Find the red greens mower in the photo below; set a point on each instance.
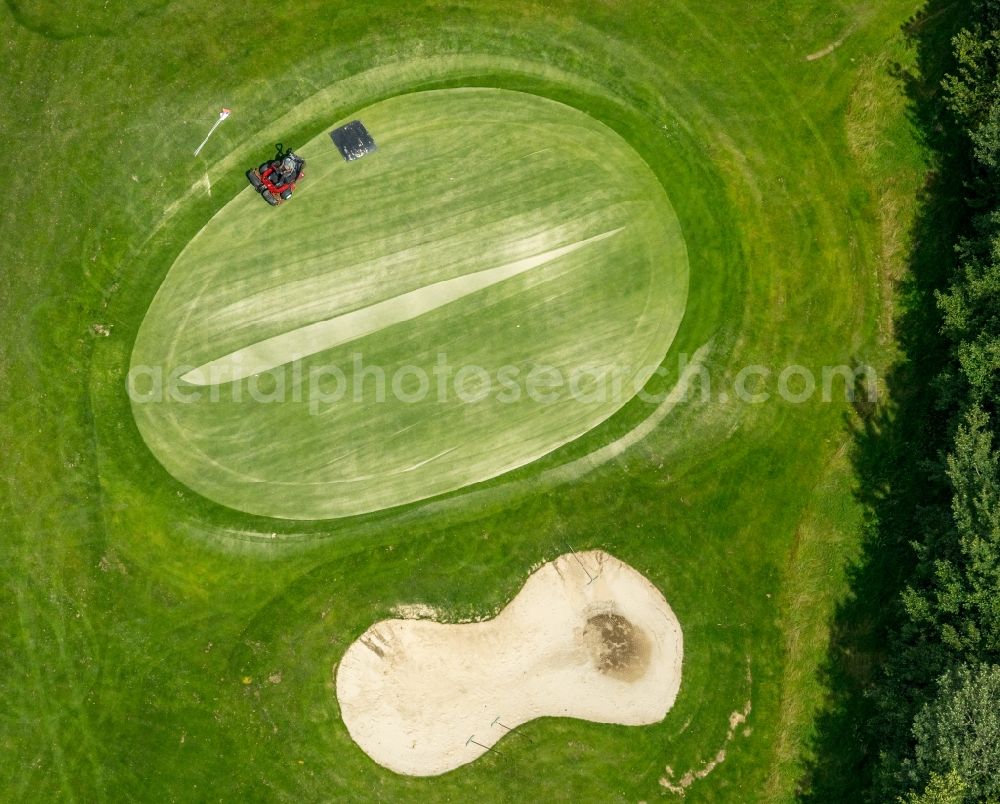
(275, 180)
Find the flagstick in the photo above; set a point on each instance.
(222, 116)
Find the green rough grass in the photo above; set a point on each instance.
(136, 607)
(827, 554)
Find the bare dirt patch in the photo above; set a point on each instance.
(832, 47)
(737, 718)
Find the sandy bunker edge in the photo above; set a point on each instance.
(586, 637)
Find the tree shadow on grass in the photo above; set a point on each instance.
(896, 444)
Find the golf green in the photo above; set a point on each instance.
(502, 275)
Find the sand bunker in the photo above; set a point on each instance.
(587, 637)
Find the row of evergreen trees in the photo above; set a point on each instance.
(938, 724)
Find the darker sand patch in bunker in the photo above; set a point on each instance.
(617, 647)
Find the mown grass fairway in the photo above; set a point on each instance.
(477, 245)
(163, 639)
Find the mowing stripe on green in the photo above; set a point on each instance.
(312, 338)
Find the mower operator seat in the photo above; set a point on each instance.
(286, 170)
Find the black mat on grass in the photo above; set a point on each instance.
(353, 140)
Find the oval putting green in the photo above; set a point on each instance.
(496, 280)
